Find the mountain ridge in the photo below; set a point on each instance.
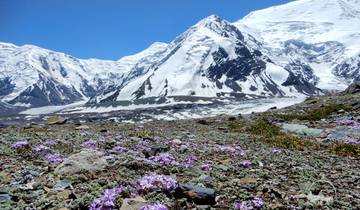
(214, 58)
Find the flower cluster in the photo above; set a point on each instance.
(206, 167)
(119, 149)
(352, 141)
(233, 149)
(20, 144)
(40, 148)
(54, 158)
(189, 161)
(255, 203)
(108, 200)
(246, 163)
(156, 182)
(154, 207)
(351, 123)
(164, 159)
(52, 142)
(109, 157)
(276, 151)
(90, 144)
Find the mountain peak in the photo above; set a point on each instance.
(211, 21)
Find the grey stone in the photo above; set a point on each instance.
(84, 161)
(302, 130)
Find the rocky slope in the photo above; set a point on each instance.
(257, 161)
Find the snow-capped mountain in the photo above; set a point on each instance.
(211, 59)
(31, 76)
(324, 34)
(300, 48)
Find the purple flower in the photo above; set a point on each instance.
(189, 161)
(20, 144)
(90, 144)
(276, 151)
(206, 167)
(352, 141)
(351, 123)
(242, 206)
(54, 158)
(233, 149)
(154, 207)
(119, 149)
(246, 163)
(155, 182)
(40, 148)
(258, 202)
(164, 159)
(109, 157)
(52, 142)
(107, 201)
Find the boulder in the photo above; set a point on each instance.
(198, 195)
(82, 127)
(56, 120)
(154, 150)
(84, 161)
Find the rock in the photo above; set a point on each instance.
(2, 126)
(353, 88)
(133, 203)
(222, 167)
(103, 131)
(56, 120)
(198, 195)
(302, 130)
(183, 148)
(177, 141)
(247, 180)
(82, 127)
(207, 180)
(355, 105)
(232, 118)
(154, 150)
(84, 161)
(203, 122)
(5, 196)
(273, 108)
(62, 185)
(64, 195)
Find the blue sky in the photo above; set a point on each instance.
(110, 29)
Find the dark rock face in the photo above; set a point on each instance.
(349, 69)
(236, 69)
(6, 87)
(300, 76)
(353, 88)
(142, 90)
(47, 92)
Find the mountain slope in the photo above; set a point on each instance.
(321, 33)
(211, 59)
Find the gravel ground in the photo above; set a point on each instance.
(184, 164)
